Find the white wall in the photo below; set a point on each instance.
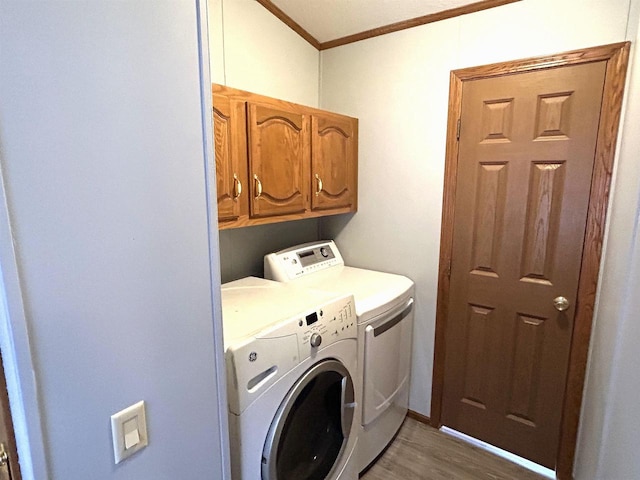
(262, 55)
(103, 162)
(397, 85)
(609, 432)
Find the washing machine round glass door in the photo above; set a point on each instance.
(309, 434)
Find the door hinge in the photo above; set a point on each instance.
(448, 271)
(458, 130)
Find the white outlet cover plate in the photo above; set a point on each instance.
(135, 433)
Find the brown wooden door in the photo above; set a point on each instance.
(333, 161)
(526, 156)
(278, 161)
(9, 467)
(229, 134)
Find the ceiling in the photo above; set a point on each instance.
(326, 23)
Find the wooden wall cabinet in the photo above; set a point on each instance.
(279, 161)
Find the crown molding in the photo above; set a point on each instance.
(292, 24)
(383, 30)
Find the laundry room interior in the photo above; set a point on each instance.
(150, 330)
(397, 86)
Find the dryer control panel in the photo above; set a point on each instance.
(256, 362)
(301, 260)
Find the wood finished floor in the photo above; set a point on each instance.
(420, 452)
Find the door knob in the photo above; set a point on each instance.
(4, 457)
(561, 303)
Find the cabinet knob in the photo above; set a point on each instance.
(319, 180)
(237, 187)
(258, 185)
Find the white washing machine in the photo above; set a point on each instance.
(384, 308)
(291, 356)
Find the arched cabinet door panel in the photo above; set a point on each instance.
(278, 161)
(333, 161)
(230, 145)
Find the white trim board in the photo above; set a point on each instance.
(17, 356)
(214, 243)
(523, 462)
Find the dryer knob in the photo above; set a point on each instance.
(315, 340)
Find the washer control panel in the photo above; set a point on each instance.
(332, 322)
(301, 260)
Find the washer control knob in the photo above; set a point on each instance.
(324, 252)
(315, 340)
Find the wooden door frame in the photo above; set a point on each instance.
(616, 57)
(5, 414)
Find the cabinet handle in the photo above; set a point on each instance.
(319, 185)
(258, 185)
(237, 187)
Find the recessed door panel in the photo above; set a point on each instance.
(476, 356)
(497, 121)
(553, 116)
(525, 375)
(489, 217)
(542, 220)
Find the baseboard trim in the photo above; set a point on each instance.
(419, 417)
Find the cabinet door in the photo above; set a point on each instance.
(229, 135)
(278, 161)
(334, 161)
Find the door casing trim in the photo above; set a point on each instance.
(616, 57)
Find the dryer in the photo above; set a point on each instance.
(384, 309)
(291, 356)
